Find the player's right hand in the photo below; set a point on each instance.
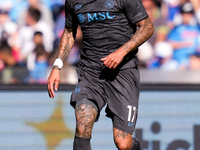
(53, 82)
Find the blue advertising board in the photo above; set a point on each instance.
(168, 120)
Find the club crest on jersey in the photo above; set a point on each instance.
(109, 4)
(78, 89)
(77, 6)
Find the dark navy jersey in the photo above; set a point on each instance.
(106, 25)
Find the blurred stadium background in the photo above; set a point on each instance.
(169, 114)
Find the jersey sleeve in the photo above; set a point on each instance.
(134, 10)
(68, 15)
(70, 19)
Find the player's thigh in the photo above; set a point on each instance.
(85, 117)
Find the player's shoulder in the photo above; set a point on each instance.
(125, 3)
(69, 2)
(73, 3)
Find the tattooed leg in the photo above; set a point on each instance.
(85, 118)
(123, 140)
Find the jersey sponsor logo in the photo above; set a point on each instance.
(81, 18)
(90, 17)
(109, 4)
(78, 89)
(175, 144)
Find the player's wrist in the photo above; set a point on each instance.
(56, 67)
(58, 64)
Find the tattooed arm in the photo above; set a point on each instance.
(66, 43)
(143, 33)
(65, 46)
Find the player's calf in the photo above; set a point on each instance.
(81, 144)
(135, 145)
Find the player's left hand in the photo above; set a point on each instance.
(114, 59)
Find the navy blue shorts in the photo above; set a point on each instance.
(119, 89)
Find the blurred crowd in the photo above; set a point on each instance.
(29, 38)
(30, 31)
(175, 44)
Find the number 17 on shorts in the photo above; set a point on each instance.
(132, 115)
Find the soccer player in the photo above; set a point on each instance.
(108, 69)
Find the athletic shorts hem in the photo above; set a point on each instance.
(123, 129)
(73, 104)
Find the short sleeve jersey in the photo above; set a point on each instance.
(106, 25)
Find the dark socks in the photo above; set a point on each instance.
(136, 145)
(81, 143)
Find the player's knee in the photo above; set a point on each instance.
(83, 132)
(123, 144)
(79, 131)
